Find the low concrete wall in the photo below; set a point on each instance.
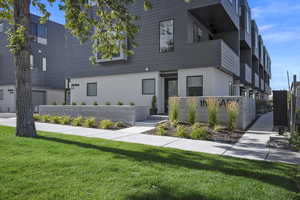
(247, 111)
(127, 114)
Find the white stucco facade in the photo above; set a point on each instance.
(128, 87)
(47, 97)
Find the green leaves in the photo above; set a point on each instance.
(16, 39)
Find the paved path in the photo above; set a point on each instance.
(253, 145)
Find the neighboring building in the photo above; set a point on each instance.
(47, 61)
(202, 48)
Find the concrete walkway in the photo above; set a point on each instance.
(253, 145)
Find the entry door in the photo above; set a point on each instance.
(171, 90)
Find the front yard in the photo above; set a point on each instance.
(56, 166)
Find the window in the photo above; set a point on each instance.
(148, 86)
(1, 27)
(231, 1)
(298, 91)
(248, 21)
(194, 86)
(44, 64)
(166, 36)
(256, 41)
(92, 89)
(39, 33)
(31, 58)
(237, 8)
(1, 95)
(197, 33)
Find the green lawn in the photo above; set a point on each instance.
(56, 166)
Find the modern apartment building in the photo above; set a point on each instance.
(202, 48)
(47, 61)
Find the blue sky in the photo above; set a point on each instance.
(279, 22)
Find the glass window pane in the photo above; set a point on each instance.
(166, 36)
(195, 81)
(148, 87)
(92, 89)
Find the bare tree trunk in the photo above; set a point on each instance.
(24, 108)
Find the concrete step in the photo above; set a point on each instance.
(158, 117)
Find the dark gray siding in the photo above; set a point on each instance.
(54, 52)
(186, 54)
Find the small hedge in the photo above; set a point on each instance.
(90, 122)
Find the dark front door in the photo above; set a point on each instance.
(171, 90)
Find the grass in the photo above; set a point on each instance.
(55, 166)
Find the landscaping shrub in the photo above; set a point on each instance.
(153, 109)
(55, 119)
(107, 103)
(83, 103)
(46, 118)
(213, 109)
(132, 103)
(37, 117)
(78, 121)
(74, 103)
(119, 125)
(90, 122)
(295, 141)
(197, 125)
(232, 111)
(106, 124)
(173, 109)
(160, 130)
(120, 103)
(181, 131)
(95, 103)
(200, 133)
(65, 120)
(192, 110)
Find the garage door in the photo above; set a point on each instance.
(38, 98)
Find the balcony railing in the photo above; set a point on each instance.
(212, 53)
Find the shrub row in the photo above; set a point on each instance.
(89, 122)
(213, 109)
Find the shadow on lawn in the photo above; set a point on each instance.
(228, 166)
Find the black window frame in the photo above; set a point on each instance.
(87, 89)
(187, 85)
(149, 79)
(159, 47)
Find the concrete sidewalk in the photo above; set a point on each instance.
(253, 145)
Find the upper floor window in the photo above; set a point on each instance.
(237, 6)
(1, 94)
(197, 33)
(44, 64)
(194, 86)
(298, 91)
(166, 36)
(256, 40)
(39, 33)
(248, 21)
(31, 60)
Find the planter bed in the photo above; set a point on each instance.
(81, 122)
(219, 134)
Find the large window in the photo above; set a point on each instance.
(194, 86)
(1, 95)
(39, 32)
(197, 33)
(92, 89)
(148, 86)
(44, 64)
(248, 21)
(31, 60)
(166, 36)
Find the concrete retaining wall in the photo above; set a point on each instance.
(247, 111)
(126, 114)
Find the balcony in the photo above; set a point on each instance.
(256, 77)
(262, 84)
(220, 15)
(246, 73)
(212, 53)
(268, 89)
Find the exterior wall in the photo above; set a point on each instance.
(8, 104)
(215, 82)
(247, 111)
(57, 96)
(125, 88)
(127, 114)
